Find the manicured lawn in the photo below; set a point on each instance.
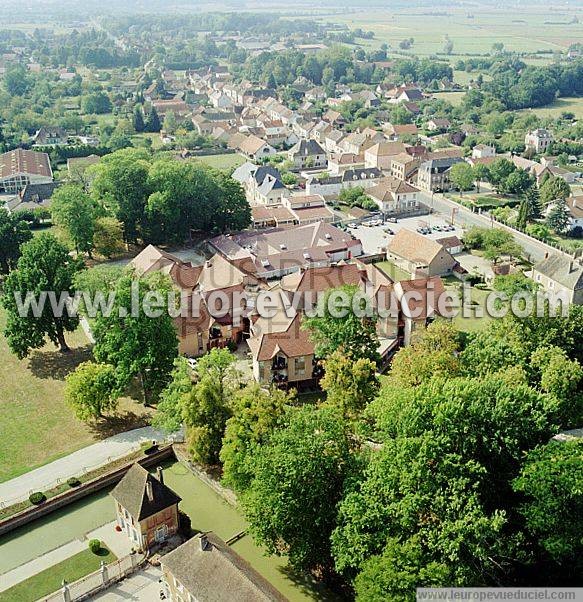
(226, 161)
(36, 425)
(476, 318)
(51, 579)
(392, 271)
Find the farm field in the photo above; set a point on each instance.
(472, 32)
(455, 98)
(36, 425)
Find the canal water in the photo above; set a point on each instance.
(207, 510)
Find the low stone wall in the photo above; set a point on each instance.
(85, 489)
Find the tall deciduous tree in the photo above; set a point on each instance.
(169, 412)
(298, 480)
(91, 390)
(135, 343)
(45, 266)
(13, 233)
(108, 236)
(462, 176)
(74, 211)
(554, 189)
(256, 414)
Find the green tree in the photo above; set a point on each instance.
(522, 219)
(207, 408)
(349, 384)
(462, 176)
(138, 343)
(552, 481)
(121, 185)
(152, 124)
(96, 103)
(169, 412)
(554, 189)
(257, 412)
(559, 218)
(337, 325)
(14, 232)
(138, 119)
(532, 198)
(91, 389)
(73, 210)
(481, 174)
(45, 266)
(108, 236)
(298, 480)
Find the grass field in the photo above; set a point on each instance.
(36, 425)
(455, 98)
(51, 579)
(476, 318)
(392, 271)
(226, 161)
(571, 105)
(472, 31)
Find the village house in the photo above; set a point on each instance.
(397, 132)
(178, 107)
(146, 509)
(404, 167)
(575, 205)
(307, 154)
(255, 148)
(340, 162)
(206, 569)
(358, 142)
(419, 255)
(380, 154)
(538, 140)
(331, 186)
(560, 275)
(334, 118)
(433, 175)
(51, 136)
(483, 151)
(332, 141)
(19, 168)
(438, 125)
(262, 183)
(394, 196)
(33, 196)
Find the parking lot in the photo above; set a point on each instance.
(374, 238)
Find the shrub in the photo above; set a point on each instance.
(95, 546)
(37, 498)
(73, 482)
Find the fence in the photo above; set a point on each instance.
(100, 580)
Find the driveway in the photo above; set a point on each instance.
(142, 586)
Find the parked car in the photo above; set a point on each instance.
(352, 225)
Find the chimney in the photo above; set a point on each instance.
(149, 490)
(160, 474)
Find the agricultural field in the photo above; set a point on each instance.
(455, 98)
(561, 105)
(472, 32)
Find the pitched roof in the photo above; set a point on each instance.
(567, 272)
(414, 247)
(386, 149)
(25, 161)
(212, 572)
(251, 144)
(132, 493)
(292, 342)
(388, 187)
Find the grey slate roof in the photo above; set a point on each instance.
(562, 270)
(307, 148)
(212, 572)
(131, 493)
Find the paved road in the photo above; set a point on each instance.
(75, 464)
(535, 249)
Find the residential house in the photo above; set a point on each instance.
(262, 183)
(560, 275)
(50, 136)
(397, 132)
(394, 196)
(483, 151)
(340, 162)
(404, 167)
(19, 168)
(332, 141)
(405, 94)
(332, 185)
(178, 107)
(358, 142)
(433, 175)
(438, 125)
(419, 255)
(452, 244)
(307, 154)
(33, 196)
(146, 508)
(380, 154)
(334, 118)
(255, 148)
(206, 569)
(539, 140)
